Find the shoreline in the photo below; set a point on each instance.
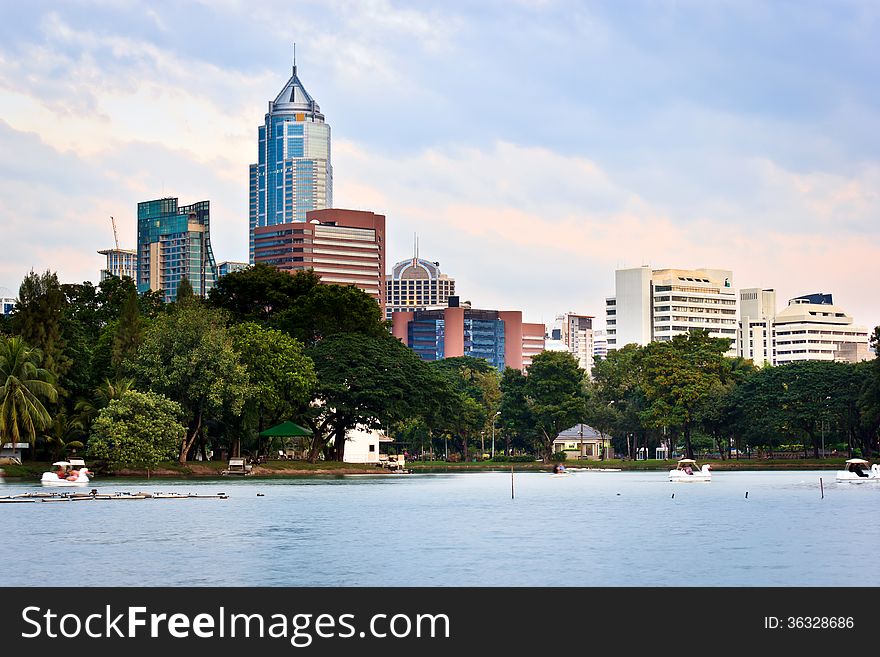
(31, 470)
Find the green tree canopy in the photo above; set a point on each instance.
(371, 381)
(677, 376)
(141, 429)
(38, 319)
(554, 395)
(282, 376)
(475, 386)
(326, 310)
(188, 356)
(260, 292)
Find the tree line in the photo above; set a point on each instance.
(134, 381)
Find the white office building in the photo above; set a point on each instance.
(811, 327)
(600, 345)
(658, 304)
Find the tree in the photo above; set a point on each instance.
(281, 375)
(87, 409)
(326, 310)
(677, 376)
(23, 386)
(38, 318)
(129, 330)
(516, 420)
(187, 355)
(616, 397)
(370, 381)
(554, 395)
(64, 433)
(185, 292)
(141, 429)
(261, 292)
(476, 394)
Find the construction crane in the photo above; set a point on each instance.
(115, 236)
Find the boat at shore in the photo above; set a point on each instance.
(859, 471)
(687, 471)
(67, 473)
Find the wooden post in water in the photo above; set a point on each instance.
(511, 482)
(822, 487)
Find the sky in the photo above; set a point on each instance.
(534, 146)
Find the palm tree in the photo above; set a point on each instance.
(63, 434)
(105, 393)
(22, 383)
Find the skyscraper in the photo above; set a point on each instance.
(293, 174)
(174, 242)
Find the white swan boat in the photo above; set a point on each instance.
(687, 471)
(67, 473)
(858, 471)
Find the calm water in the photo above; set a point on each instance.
(588, 529)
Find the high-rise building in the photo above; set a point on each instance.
(344, 247)
(811, 327)
(229, 266)
(600, 345)
(499, 336)
(757, 311)
(576, 332)
(120, 263)
(658, 304)
(293, 174)
(174, 242)
(533, 342)
(416, 284)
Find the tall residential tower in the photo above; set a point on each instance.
(293, 174)
(174, 242)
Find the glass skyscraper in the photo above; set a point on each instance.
(293, 173)
(174, 242)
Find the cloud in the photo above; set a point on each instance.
(535, 146)
(530, 228)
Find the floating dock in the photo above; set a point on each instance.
(94, 495)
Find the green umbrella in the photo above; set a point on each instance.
(286, 430)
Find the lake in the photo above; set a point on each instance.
(587, 529)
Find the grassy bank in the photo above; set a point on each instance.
(33, 470)
(651, 464)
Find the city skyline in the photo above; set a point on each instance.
(534, 147)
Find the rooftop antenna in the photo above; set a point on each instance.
(294, 57)
(415, 250)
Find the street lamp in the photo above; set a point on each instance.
(495, 417)
(823, 431)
